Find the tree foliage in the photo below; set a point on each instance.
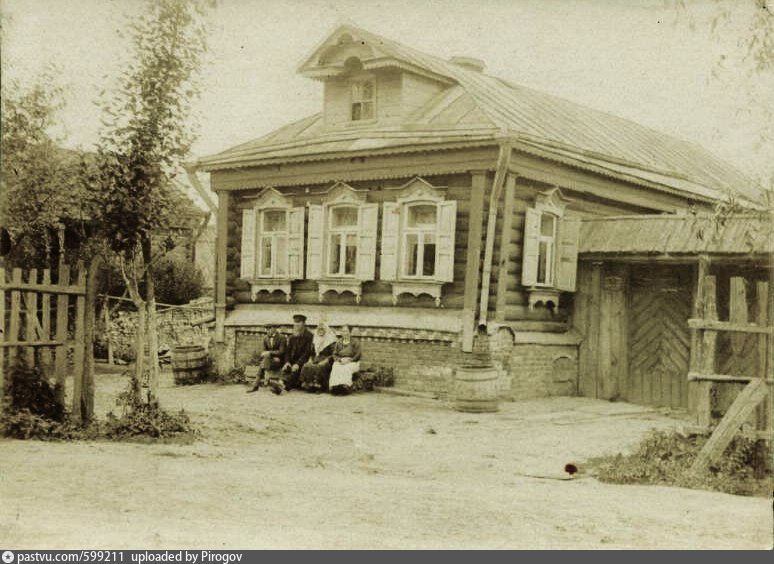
(38, 180)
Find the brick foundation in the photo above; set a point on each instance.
(425, 361)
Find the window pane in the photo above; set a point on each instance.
(351, 258)
(428, 256)
(422, 215)
(542, 262)
(334, 254)
(547, 225)
(344, 217)
(282, 256)
(412, 251)
(273, 221)
(356, 111)
(266, 248)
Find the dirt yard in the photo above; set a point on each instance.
(364, 471)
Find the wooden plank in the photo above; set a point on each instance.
(707, 325)
(3, 337)
(737, 414)
(694, 376)
(31, 315)
(14, 321)
(704, 388)
(79, 349)
(509, 200)
(595, 299)
(45, 326)
(25, 343)
(60, 358)
(221, 268)
(764, 350)
(700, 271)
(50, 288)
(473, 258)
(737, 311)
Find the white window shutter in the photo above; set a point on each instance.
(388, 261)
(444, 257)
(296, 243)
(366, 242)
(529, 265)
(314, 246)
(247, 251)
(567, 254)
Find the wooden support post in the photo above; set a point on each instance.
(221, 258)
(695, 362)
(106, 318)
(595, 327)
(509, 203)
(13, 321)
(764, 352)
(45, 299)
(3, 336)
(30, 315)
(705, 388)
(473, 262)
(60, 360)
(79, 350)
(743, 406)
(737, 312)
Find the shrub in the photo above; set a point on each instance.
(30, 391)
(665, 458)
(177, 280)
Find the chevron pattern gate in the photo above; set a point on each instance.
(659, 337)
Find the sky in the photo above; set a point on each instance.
(644, 60)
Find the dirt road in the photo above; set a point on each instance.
(365, 471)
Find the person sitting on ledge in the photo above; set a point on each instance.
(272, 356)
(314, 374)
(297, 353)
(346, 362)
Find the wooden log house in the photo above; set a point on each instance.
(428, 199)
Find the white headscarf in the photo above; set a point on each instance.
(321, 342)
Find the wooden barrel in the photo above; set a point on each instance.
(189, 363)
(475, 389)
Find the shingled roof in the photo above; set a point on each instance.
(477, 108)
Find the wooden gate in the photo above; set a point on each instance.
(43, 321)
(659, 337)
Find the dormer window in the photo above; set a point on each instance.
(362, 100)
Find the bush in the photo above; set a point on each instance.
(665, 458)
(31, 392)
(177, 280)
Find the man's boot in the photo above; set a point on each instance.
(256, 382)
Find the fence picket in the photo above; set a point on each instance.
(13, 321)
(78, 405)
(45, 299)
(60, 360)
(31, 315)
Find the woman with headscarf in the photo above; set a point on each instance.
(346, 362)
(314, 374)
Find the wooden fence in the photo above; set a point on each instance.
(43, 321)
(741, 394)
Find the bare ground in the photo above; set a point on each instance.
(364, 471)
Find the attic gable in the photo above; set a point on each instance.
(349, 49)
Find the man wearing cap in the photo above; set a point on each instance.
(272, 356)
(297, 353)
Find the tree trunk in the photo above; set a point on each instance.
(153, 334)
(87, 391)
(139, 345)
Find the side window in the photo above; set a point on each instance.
(550, 253)
(362, 100)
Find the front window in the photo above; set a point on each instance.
(342, 243)
(362, 100)
(546, 249)
(273, 244)
(419, 242)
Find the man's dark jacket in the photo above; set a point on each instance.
(299, 348)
